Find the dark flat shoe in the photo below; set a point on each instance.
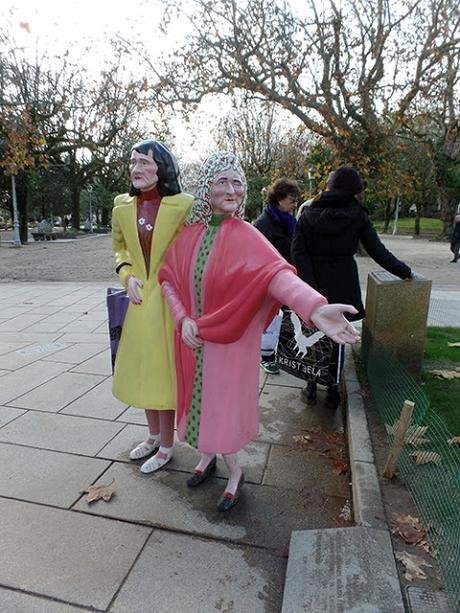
(201, 475)
(227, 501)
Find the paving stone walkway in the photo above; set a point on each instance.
(156, 546)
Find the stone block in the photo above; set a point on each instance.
(343, 570)
(367, 498)
(396, 316)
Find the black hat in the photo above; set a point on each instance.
(346, 179)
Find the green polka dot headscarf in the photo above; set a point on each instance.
(213, 166)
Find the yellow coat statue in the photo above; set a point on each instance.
(144, 374)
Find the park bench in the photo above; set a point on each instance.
(42, 236)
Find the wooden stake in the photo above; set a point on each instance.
(398, 439)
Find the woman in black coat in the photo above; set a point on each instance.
(325, 242)
(277, 224)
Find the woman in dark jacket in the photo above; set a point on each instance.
(325, 242)
(277, 224)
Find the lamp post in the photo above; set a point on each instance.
(89, 189)
(16, 237)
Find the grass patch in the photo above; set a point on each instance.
(406, 225)
(444, 394)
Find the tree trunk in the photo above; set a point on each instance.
(388, 212)
(23, 197)
(445, 212)
(417, 222)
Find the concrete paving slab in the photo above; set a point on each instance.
(11, 346)
(285, 379)
(59, 317)
(75, 557)
(100, 364)
(7, 414)
(219, 577)
(25, 379)
(264, 516)
(253, 457)
(133, 415)
(4, 372)
(345, 570)
(74, 337)
(283, 414)
(18, 602)
(299, 469)
(47, 477)
(77, 353)
(44, 326)
(29, 337)
(58, 432)
(82, 326)
(97, 402)
(20, 322)
(27, 355)
(57, 393)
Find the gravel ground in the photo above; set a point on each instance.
(90, 259)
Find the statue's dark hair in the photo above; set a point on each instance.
(168, 171)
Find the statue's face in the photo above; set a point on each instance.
(227, 192)
(143, 170)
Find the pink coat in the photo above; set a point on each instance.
(230, 380)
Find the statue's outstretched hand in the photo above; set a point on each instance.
(190, 334)
(329, 318)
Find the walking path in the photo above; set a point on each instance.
(156, 546)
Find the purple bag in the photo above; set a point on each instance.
(117, 305)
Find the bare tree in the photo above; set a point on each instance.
(348, 72)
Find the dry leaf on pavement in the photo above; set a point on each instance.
(408, 528)
(412, 564)
(96, 492)
(425, 457)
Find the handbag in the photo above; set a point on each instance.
(307, 353)
(117, 306)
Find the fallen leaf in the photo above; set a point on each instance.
(96, 492)
(340, 468)
(412, 564)
(24, 26)
(425, 457)
(445, 374)
(453, 344)
(408, 528)
(454, 441)
(301, 439)
(415, 435)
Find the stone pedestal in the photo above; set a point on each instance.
(396, 316)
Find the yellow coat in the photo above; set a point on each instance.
(145, 374)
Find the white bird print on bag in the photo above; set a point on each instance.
(302, 342)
